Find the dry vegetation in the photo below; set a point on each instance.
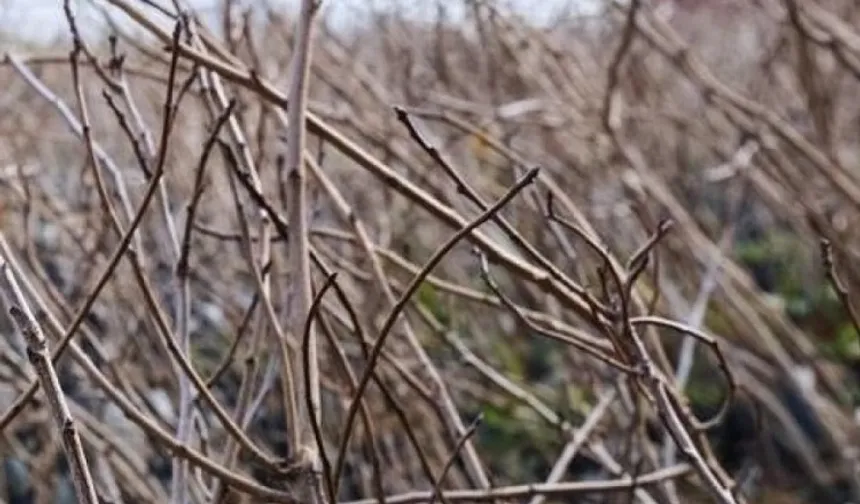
(608, 260)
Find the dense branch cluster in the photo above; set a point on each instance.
(251, 257)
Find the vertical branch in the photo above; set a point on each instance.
(298, 256)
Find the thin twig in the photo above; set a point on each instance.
(40, 358)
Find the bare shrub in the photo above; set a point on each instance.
(462, 256)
